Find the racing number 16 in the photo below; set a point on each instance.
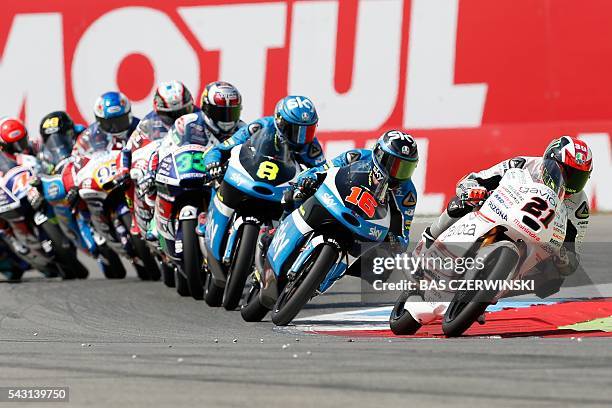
(362, 199)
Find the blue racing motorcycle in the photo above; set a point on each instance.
(249, 198)
(314, 246)
(76, 225)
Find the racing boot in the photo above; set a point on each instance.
(151, 234)
(263, 242)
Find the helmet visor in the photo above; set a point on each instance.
(575, 179)
(297, 134)
(553, 177)
(117, 124)
(396, 167)
(21, 145)
(222, 113)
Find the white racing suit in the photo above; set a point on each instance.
(577, 209)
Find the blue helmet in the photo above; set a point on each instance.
(396, 155)
(296, 119)
(113, 112)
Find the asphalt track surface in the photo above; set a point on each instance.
(130, 344)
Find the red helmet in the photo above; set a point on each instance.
(575, 159)
(13, 136)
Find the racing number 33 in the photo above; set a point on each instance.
(536, 207)
(362, 199)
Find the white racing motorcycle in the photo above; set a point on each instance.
(521, 224)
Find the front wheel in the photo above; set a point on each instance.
(192, 260)
(65, 253)
(299, 291)
(467, 306)
(167, 272)
(401, 321)
(253, 310)
(213, 294)
(242, 263)
(112, 267)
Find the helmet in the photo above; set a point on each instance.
(296, 119)
(113, 112)
(172, 100)
(13, 136)
(56, 122)
(222, 103)
(396, 155)
(575, 159)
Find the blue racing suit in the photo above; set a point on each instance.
(403, 198)
(309, 155)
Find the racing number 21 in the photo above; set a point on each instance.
(362, 199)
(536, 207)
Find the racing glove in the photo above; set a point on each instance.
(146, 185)
(307, 186)
(214, 170)
(72, 197)
(471, 193)
(34, 195)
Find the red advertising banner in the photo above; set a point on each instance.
(475, 81)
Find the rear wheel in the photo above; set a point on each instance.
(192, 259)
(241, 266)
(213, 294)
(299, 291)
(401, 321)
(467, 306)
(253, 310)
(112, 267)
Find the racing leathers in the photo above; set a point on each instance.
(475, 187)
(309, 155)
(402, 198)
(193, 128)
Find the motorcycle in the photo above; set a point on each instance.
(38, 239)
(521, 224)
(314, 246)
(182, 194)
(110, 216)
(142, 210)
(249, 198)
(75, 224)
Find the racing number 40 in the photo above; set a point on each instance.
(536, 207)
(362, 199)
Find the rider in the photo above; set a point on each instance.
(295, 120)
(216, 122)
(392, 162)
(575, 159)
(113, 126)
(172, 100)
(56, 123)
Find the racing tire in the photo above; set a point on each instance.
(167, 273)
(182, 285)
(299, 291)
(65, 253)
(213, 294)
(253, 310)
(241, 266)
(192, 259)
(113, 267)
(148, 270)
(401, 321)
(467, 306)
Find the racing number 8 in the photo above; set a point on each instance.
(267, 170)
(362, 199)
(536, 207)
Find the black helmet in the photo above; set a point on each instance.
(396, 155)
(56, 122)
